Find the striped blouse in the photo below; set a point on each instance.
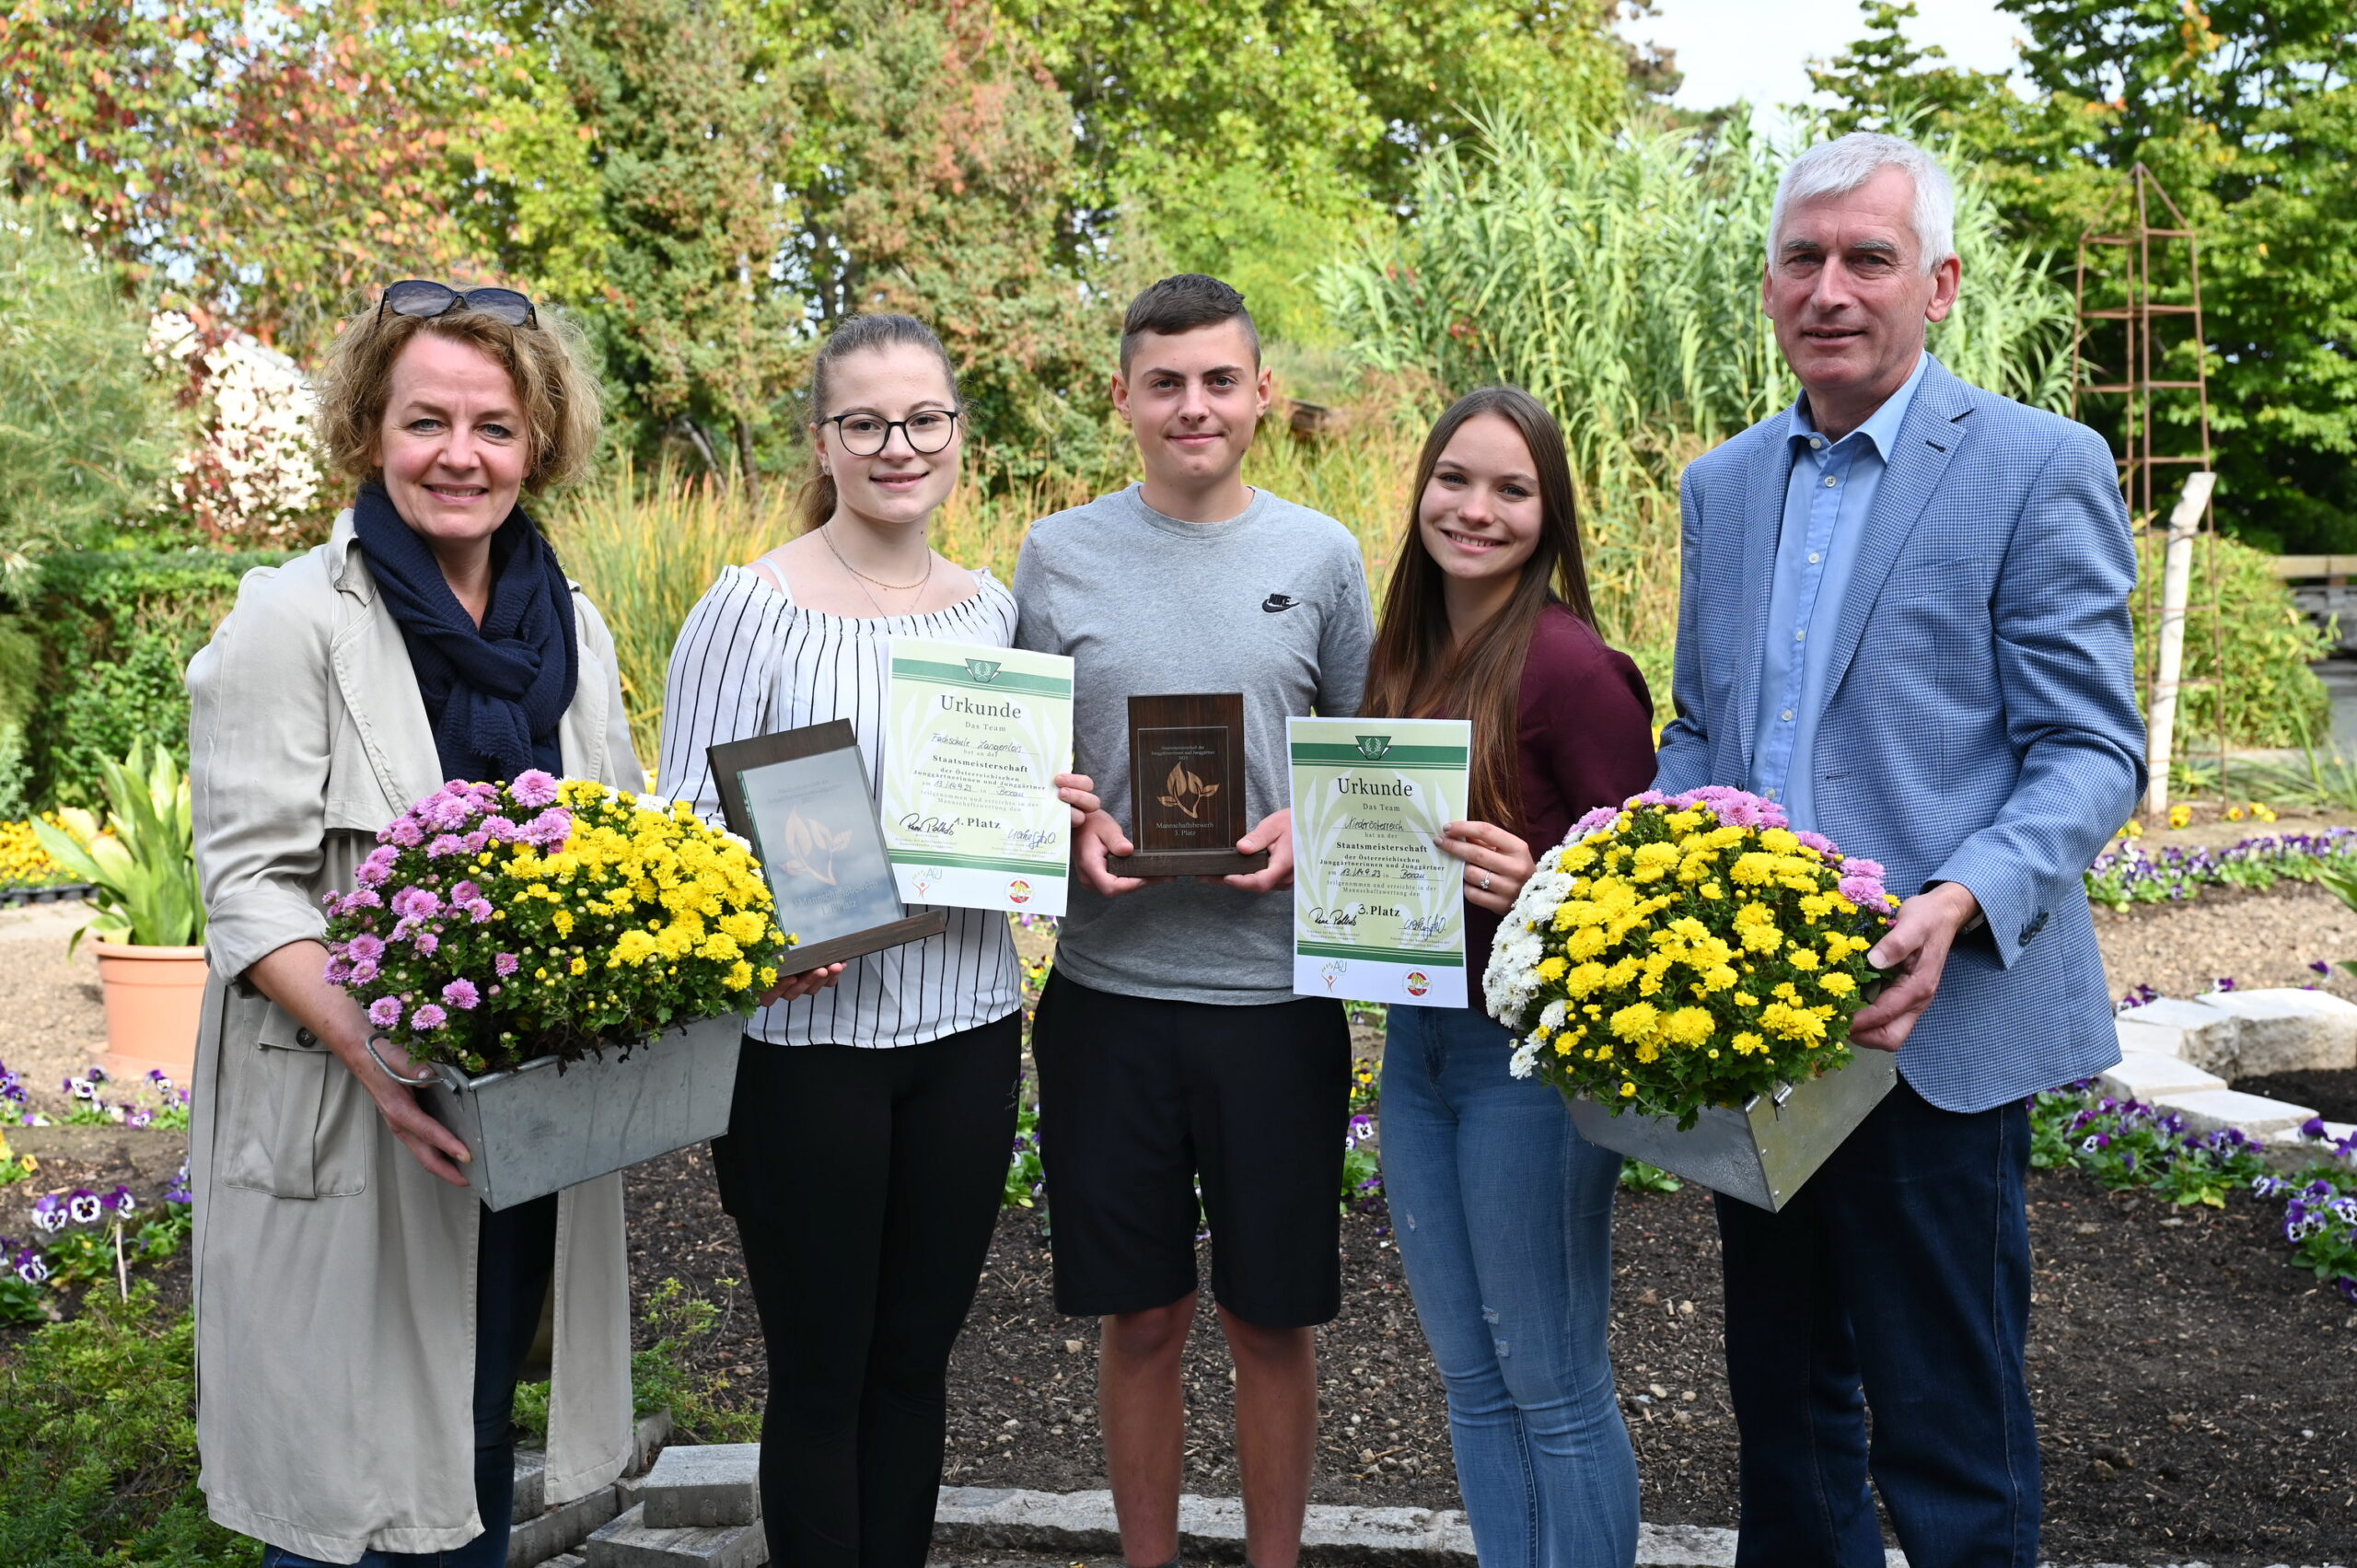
(749, 662)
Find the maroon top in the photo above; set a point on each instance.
(1584, 739)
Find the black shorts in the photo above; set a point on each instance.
(1139, 1097)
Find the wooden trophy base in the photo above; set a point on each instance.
(1187, 863)
(838, 949)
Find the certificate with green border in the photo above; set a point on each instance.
(974, 737)
(1378, 907)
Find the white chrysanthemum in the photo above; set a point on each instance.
(1557, 1012)
(253, 471)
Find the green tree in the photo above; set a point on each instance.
(2247, 114)
(935, 172)
(84, 424)
(1256, 139)
(686, 113)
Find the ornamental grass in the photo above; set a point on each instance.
(496, 924)
(1686, 951)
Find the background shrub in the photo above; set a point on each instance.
(2272, 696)
(98, 1443)
(116, 630)
(82, 422)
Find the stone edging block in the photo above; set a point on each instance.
(2210, 1110)
(700, 1484)
(629, 1542)
(2289, 1031)
(2245, 1033)
(2147, 1076)
(1210, 1529)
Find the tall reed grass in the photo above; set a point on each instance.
(1616, 276)
(646, 547)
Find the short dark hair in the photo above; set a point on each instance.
(1182, 304)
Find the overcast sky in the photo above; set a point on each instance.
(1759, 50)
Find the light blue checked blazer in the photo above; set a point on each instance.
(1981, 722)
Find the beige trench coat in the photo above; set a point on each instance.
(335, 1278)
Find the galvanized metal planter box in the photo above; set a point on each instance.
(535, 1130)
(1761, 1152)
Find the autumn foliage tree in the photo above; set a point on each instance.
(259, 163)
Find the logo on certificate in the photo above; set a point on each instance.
(1418, 982)
(982, 669)
(1334, 970)
(1018, 891)
(1372, 747)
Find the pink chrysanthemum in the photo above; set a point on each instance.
(534, 788)
(385, 1012)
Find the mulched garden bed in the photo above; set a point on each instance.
(2330, 1094)
(2191, 1386)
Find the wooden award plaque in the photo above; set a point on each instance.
(801, 797)
(1187, 788)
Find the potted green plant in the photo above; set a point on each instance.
(149, 926)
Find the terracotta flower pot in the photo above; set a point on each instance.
(154, 1000)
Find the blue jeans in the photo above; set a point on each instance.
(514, 1253)
(1896, 1279)
(1503, 1214)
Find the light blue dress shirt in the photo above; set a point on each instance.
(1827, 503)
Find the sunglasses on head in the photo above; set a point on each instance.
(426, 299)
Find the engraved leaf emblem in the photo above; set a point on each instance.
(1188, 793)
(811, 848)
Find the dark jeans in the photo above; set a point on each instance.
(864, 1183)
(515, 1255)
(1898, 1278)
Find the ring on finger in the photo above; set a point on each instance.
(1485, 881)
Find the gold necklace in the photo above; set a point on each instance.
(827, 533)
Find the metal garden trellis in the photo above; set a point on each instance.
(2120, 266)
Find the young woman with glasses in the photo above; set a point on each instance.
(1504, 1212)
(875, 1100)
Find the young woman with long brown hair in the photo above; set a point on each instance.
(1504, 1211)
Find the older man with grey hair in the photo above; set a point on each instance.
(1903, 616)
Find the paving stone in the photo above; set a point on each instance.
(559, 1530)
(2207, 1110)
(973, 1519)
(2183, 1027)
(531, 1484)
(2144, 1075)
(2287, 1030)
(569, 1559)
(629, 1542)
(704, 1483)
(653, 1431)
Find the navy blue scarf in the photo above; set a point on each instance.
(494, 694)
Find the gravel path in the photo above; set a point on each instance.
(2254, 939)
(52, 1022)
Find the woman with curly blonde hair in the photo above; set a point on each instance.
(361, 1319)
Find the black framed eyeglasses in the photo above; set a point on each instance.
(865, 434)
(426, 299)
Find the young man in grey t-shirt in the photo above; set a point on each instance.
(1170, 1046)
